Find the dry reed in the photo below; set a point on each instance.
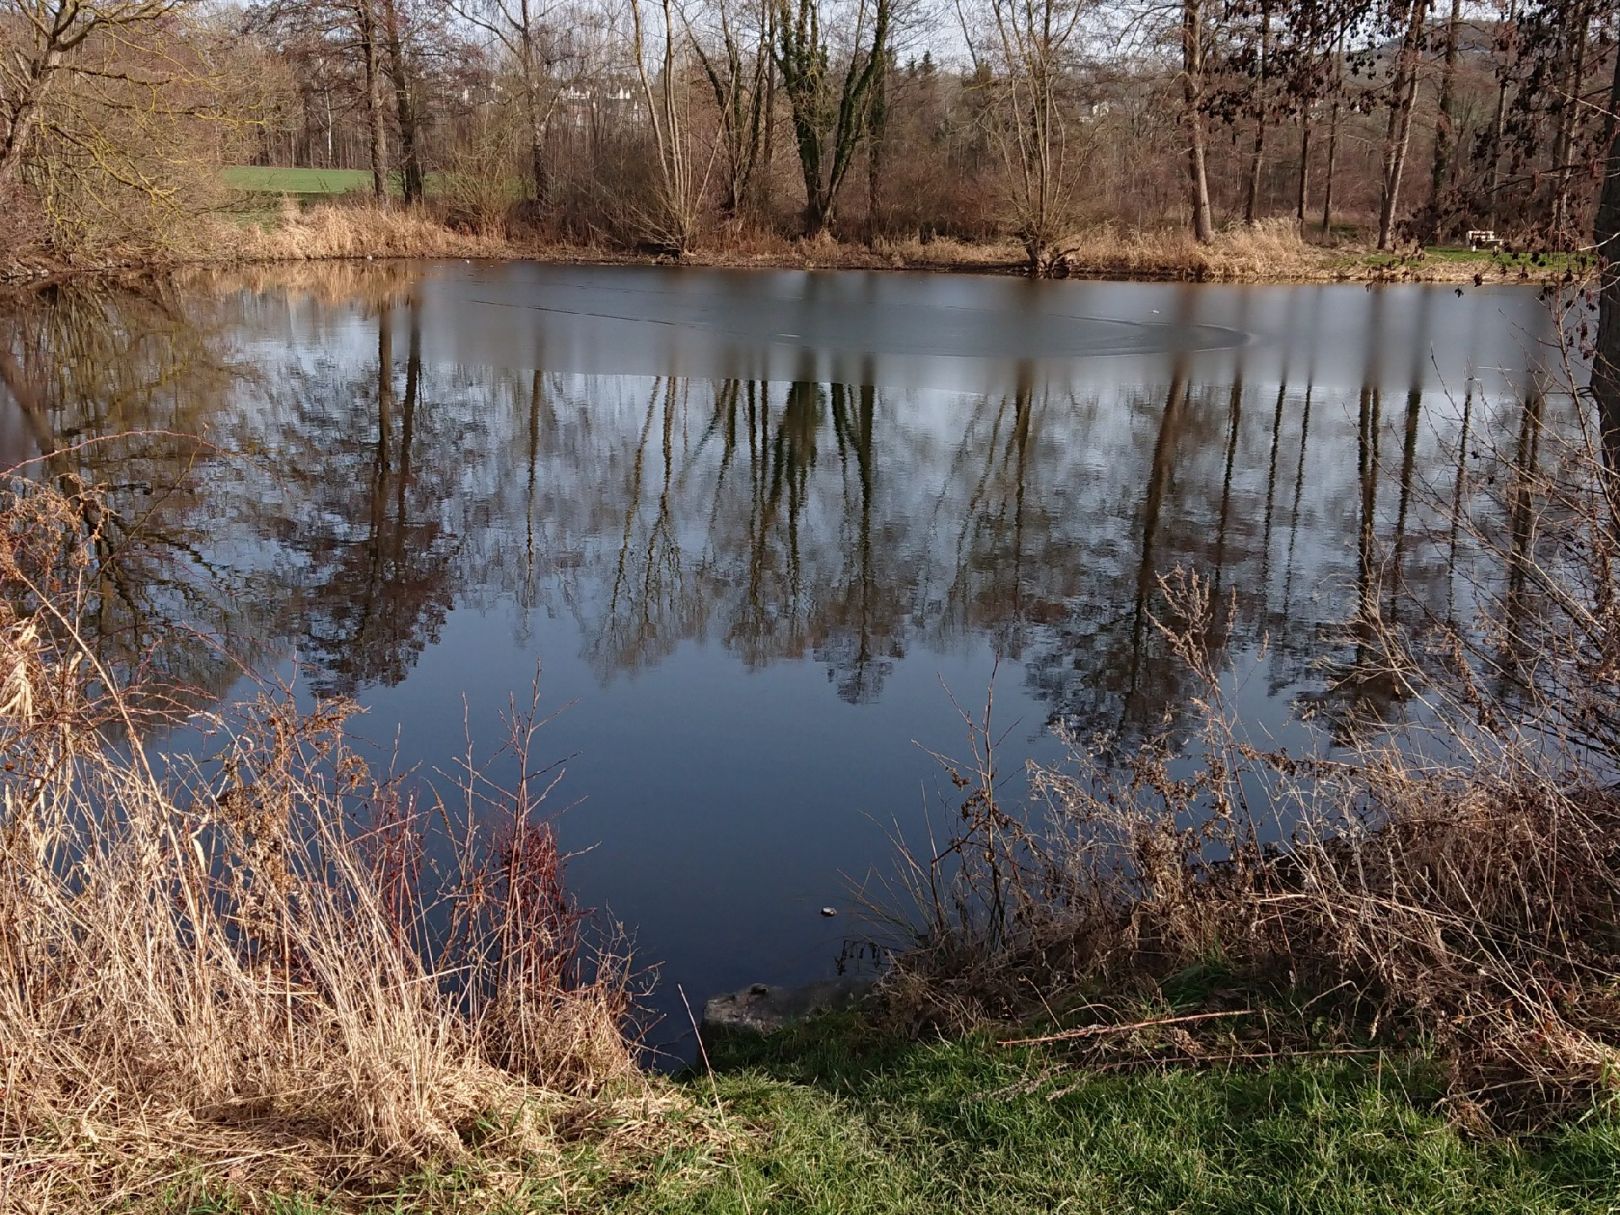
(266, 970)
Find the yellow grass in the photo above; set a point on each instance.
(232, 974)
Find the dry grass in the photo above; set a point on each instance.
(338, 231)
(1269, 252)
(1454, 889)
(269, 970)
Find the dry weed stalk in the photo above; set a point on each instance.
(234, 969)
(1455, 884)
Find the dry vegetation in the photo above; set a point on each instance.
(1451, 887)
(270, 970)
(1272, 251)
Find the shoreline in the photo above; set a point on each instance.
(1311, 266)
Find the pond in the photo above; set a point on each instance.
(758, 531)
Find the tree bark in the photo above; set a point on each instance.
(1302, 200)
(398, 69)
(1398, 133)
(1192, 76)
(1251, 201)
(1606, 236)
(1569, 109)
(1445, 122)
(25, 117)
(374, 107)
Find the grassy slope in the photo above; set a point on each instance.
(833, 1119)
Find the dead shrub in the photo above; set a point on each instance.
(1454, 887)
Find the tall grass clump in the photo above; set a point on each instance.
(269, 969)
(1450, 886)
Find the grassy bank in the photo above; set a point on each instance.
(291, 216)
(836, 1116)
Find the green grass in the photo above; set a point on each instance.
(836, 1118)
(267, 179)
(1483, 259)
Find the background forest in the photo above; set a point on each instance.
(664, 126)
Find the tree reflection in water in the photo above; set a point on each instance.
(307, 477)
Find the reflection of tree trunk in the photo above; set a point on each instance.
(1367, 472)
(407, 424)
(28, 402)
(1299, 485)
(1458, 489)
(1414, 408)
(1522, 530)
(1271, 488)
(1164, 461)
(1235, 415)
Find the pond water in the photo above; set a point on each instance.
(757, 529)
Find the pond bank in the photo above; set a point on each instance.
(1269, 253)
(836, 1116)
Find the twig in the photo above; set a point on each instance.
(1092, 1031)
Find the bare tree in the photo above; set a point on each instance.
(740, 77)
(1193, 50)
(1402, 103)
(680, 180)
(1023, 50)
(527, 31)
(44, 47)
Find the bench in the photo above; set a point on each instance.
(1483, 238)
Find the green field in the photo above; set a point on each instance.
(270, 179)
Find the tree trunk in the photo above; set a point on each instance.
(1251, 201)
(1192, 76)
(25, 117)
(1303, 199)
(1445, 123)
(1606, 237)
(1333, 134)
(410, 164)
(1398, 134)
(875, 149)
(1499, 125)
(1564, 141)
(374, 107)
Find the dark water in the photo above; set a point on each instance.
(756, 528)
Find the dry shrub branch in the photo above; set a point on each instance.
(1452, 884)
(271, 968)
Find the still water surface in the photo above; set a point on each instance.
(755, 529)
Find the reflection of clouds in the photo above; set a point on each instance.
(399, 453)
